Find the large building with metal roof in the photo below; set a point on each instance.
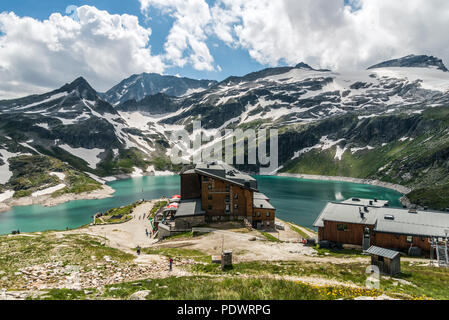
(227, 194)
(367, 225)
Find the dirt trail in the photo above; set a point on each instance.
(125, 236)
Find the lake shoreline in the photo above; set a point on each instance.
(49, 201)
(103, 193)
(396, 187)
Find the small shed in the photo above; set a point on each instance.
(388, 261)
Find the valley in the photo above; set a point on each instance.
(387, 123)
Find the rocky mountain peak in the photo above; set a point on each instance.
(303, 65)
(413, 61)
(83, 88)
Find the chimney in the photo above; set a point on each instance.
(375, 199)
(362, 214)
(370, 202)
(366, 209)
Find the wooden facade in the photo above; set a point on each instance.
(386, 265)
(351, 233)
(223, 200)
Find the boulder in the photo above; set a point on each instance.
(140, 295)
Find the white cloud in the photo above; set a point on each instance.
(328, 34)
(36, 56)
(320, 32)
(186, 40)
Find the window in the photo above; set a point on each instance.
(423, 238)
(228, 199)
(380, 259)
(227, 188)
(236, 196)
(342, 227)
(210, 197)
(205, 179)
(254, 214)
(228, 208)
(210, 207)
(409, 239)
(209, 186)
(236, 206)
(268, 214)
(258, 214)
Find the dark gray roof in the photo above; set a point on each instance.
(226, 172)
(386, 253)
(188, 208)
(421, 223)
(262, 204)
(261, 196)
(367, 202)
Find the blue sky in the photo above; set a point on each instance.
(206, 39)
(231, 60)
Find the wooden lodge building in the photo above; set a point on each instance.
(367, 223)
(223, 193)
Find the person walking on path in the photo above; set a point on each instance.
(171, 264)
(138, 250)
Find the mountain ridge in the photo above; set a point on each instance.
(415, 61)
(344, 120)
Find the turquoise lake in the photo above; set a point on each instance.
(296, 200)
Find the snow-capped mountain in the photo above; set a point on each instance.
(283, 96)
(388, 122)
(139, 86)
(74, 125)
(413, 61)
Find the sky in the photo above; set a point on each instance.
(45, 44)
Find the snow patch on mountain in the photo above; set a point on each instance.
(60, 175)
(325, 144)
(5, 173)
(355, 150)
(6, 195)
(429, 78)
(49, 99)
(43, 125)
(91, 156)
(48, 190)
(339, 153)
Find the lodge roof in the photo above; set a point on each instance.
(367, 202)
(188, 208)
(262, 204)
(388, 220)
(226, 172)
(260, 196)
(382, 252)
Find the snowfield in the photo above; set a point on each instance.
(48, 190)
(6, 195)
(91, 156)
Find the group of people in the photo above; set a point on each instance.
(139, 249)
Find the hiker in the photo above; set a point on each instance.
(138, 250)
(171, 264)
(146, 231)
